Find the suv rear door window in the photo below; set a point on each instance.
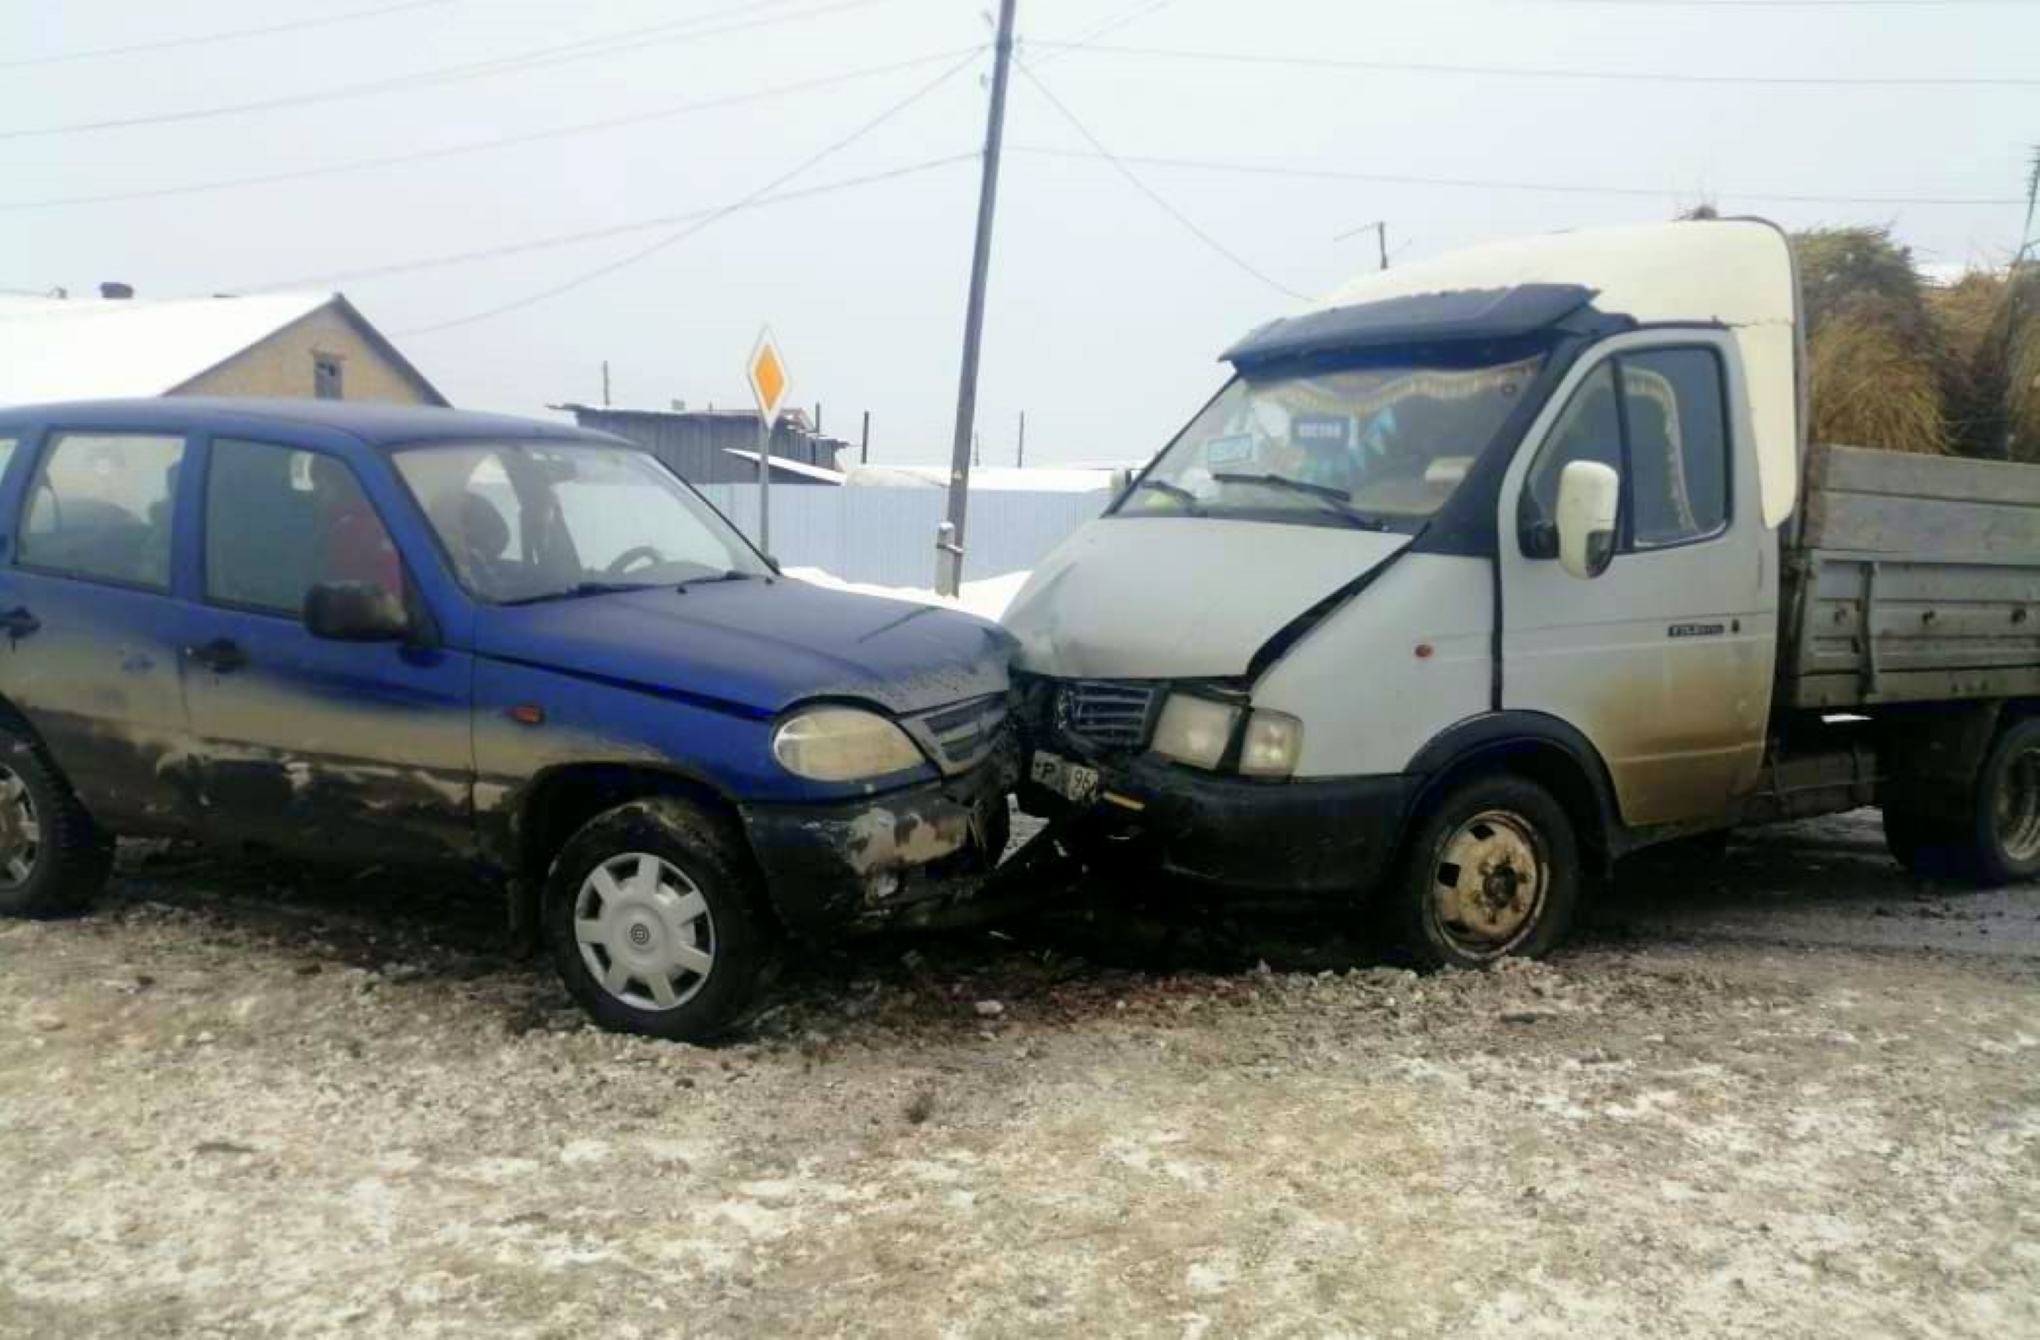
(100, 508)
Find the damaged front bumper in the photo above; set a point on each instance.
(859, 863)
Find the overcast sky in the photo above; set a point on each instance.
(1105, 313)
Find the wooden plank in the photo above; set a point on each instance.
(1922, 529)
(1902, 474)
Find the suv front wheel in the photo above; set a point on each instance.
(654, 921)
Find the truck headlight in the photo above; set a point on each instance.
(1194, 730)
(1271, 744)
(842, 744)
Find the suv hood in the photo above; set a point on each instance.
(758, 646)
(1180, 597)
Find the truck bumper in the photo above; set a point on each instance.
(855, 864)
(1324, 838)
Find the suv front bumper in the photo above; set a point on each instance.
(858, 863)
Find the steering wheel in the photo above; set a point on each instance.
(631, 557)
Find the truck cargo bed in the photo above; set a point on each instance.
(1912, 579)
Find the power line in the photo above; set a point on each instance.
(479, 146)
(538, 58)
(651, 249)
(1534, 72)
(556, 240)
(1789, 4)
(209, 39)
(1134, 180)
(1093, 34)
(1492, 184)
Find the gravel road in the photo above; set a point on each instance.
(1781, 1091)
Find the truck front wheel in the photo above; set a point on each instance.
(1493, 870)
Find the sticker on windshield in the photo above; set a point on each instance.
(1321, 430)
(1230, 450)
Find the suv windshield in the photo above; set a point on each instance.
(1372, 446)
(527, 521)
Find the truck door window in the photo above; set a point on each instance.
(279, 521)
(100, 508)
(1678, 445)
(1589, 429)
(1657, 417)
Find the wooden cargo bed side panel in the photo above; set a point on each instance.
(1916, 578)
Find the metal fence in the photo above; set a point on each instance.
(887, 536)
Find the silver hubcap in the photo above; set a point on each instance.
(645, 931)
(2018, 807)
(20, 832)
(1488, 884)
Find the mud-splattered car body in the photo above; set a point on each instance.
(490, 730)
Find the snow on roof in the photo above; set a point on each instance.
(93, 349)
(801, 468)
(984, 479)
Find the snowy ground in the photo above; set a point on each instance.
(1786, 1092)
(987, 598)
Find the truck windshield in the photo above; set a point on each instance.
(1379, 445)
(530, 521)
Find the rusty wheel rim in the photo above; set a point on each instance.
(1488, 884)
(2018, 807)
(20, 831)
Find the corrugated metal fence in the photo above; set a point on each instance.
(887, 536)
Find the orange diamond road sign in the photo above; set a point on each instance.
(769, 378)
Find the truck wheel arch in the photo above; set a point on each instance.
(1540, 747)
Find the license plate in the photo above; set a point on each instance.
(1071, 781)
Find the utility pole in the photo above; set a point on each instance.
(949, 540)
(1380, 230)
(864, 441)
(1020, 451)
(605, 383)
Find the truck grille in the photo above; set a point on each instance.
(1112, 714)
(961, 735)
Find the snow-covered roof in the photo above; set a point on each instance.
(820, 474)
(93, 348)
(984, 479)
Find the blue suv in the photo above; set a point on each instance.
(421, 637)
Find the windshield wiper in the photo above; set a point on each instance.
(577, 590)
(1189, 500)
(731, 576)
(1338, 500)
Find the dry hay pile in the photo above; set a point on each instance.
(1991, 324)
(1878, 360)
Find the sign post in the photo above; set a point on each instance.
(769, 383)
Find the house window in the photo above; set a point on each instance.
(326, 377)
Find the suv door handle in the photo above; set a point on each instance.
(223, 655)
(18, 622)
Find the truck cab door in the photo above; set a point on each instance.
(360, 750)
(1665, 660)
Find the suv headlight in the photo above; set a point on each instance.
(1194, 730)
(843, 744)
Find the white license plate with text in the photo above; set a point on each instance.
(1071, 781)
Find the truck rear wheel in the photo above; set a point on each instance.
(1493, 871)
(654, 921)
(1997, 840)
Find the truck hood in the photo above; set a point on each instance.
(1179, 597)
(756, 646)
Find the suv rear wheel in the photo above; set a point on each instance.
(654, 921)
(53, 858)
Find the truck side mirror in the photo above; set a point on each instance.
(355, 612)
(1589, 502)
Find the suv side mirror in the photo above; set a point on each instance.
(1589, 502)
(355, 612)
